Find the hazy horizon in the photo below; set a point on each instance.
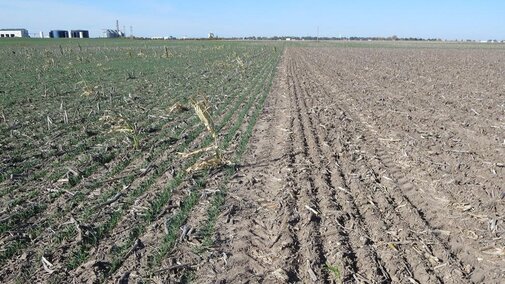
(477, 20)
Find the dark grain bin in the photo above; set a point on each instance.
(79, 34)
(58, 34)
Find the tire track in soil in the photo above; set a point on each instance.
(423, 252)
(448, 238)
(371, 266)
(362, 259)
(366, 263)
(311, 174)
(305, 246)
(362, 204)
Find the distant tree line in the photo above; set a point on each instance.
(337, 38)
(297, 38)
(313, 38)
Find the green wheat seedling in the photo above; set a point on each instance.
(158, 204)
(334, 270)
(80, 145)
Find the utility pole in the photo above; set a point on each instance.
(317, 38)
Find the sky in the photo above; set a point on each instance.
(449, 19)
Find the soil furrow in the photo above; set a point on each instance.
(397, 266)
(379, 272)
(428, 252)
(307, 185)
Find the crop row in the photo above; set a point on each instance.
(106, 191)
(90, 167)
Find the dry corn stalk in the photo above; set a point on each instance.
(168, 53)
(87, 90)
(240, 62)
(202, 111)
(196, 152)
(121, 125)
(177, 107)
(210, 162)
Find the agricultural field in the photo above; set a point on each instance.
(90, 134)
(229, 162)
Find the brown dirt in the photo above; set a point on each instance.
(387, 164)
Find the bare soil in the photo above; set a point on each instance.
(371, 166)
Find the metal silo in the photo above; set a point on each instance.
(79, 34)
(58, 34)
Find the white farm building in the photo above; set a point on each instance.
(13, 33)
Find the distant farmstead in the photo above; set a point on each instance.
(13, 33)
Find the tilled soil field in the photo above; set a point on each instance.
(370, 166)
(342, 163)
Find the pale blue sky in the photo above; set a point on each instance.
(450, 19)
